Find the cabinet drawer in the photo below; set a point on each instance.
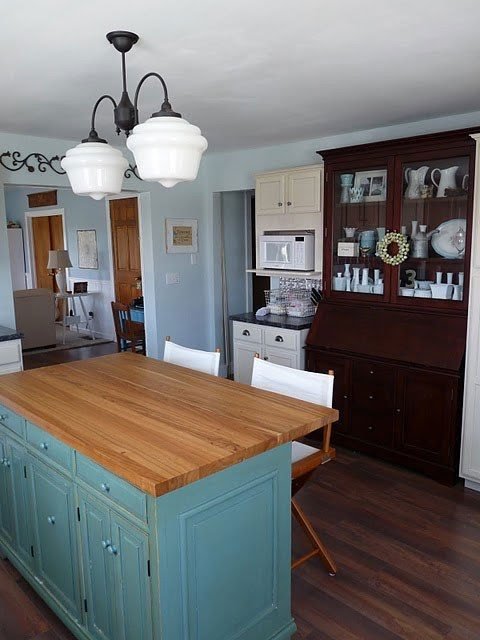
(247, 332)
(12, 421)
(372, 427)
(10, 353)
(112, 487)
(49, 447)
(281, 338)
(373, 386)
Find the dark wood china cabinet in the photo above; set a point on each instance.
(395, 333)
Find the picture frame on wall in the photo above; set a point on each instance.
(181, 235)
(87, 249)
(373, 183)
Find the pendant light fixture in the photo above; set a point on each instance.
(166, 148)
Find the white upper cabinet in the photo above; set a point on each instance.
(293, 191)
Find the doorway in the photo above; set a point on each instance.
(46, 232)
(125, 233)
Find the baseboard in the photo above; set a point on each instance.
(471, 484)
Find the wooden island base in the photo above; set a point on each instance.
(156, 549)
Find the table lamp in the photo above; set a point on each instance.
(59, 260)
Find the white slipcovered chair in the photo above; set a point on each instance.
(318, 389)
(205, 361)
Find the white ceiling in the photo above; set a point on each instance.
(248, 72)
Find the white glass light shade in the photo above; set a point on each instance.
(167, 150)
(95, 169)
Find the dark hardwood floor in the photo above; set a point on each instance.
(35, 360)
(408, 551)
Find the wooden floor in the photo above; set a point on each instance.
(408, 551)
(35, 360)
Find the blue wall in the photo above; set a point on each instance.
(80, 213)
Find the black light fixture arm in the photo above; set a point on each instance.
(166, 108)
(93, 135)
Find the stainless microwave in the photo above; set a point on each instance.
(294, 252)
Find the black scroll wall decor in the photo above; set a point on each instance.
(13, 161)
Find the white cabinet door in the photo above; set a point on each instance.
(304, 191)
(270, 194)
(243, 355)
(282, 356)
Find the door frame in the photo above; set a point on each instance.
(30, 273)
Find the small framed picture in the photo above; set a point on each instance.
(373, 183)
(181, 235)
(87, 249)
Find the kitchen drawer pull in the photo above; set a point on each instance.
(106, 543)
(289, 204)
(51, 519)
(104, 487)
(278, 339)
(245, 332)
(345, 397)
(370, 428)
(280, 204)
(44, 446)
(398, 410)
(265, 358)
(371, 371)
(112, 550)
(370, 397)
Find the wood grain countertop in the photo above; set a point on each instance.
(157, 425)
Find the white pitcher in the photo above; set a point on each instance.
(415, 179)
(447, 180)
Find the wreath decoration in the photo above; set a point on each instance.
(393, 238)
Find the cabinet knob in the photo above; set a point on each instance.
(3, 416)
(280, 204)
(266, 358)
(112, 549)
(51, 519)
(106, 543)
(371, 372)
(370, 428)
(278, 339)
(398, 410)
(289, 204)
(44, 446)
(104, 487)
(370, 397)
(6, 462)
(245, 332)
(345, 397)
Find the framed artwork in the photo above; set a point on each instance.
(87, 249)
(373, 183)
(181, 235)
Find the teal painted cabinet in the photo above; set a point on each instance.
(7, 517)
(21, 502)
(53, 511)
(116, 573)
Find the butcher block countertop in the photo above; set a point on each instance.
(157, 425)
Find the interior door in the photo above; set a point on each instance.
(126, 248)
(47, 232)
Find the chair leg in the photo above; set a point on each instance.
(319, 547)
(327, 432)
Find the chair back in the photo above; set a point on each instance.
(303, 385)
(121, 317)
(205, 361)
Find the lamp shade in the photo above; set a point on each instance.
(58, 259)
(95, 169)
(167, 149)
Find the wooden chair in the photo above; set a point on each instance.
(205, 361)
(316, 388)
(130, 334)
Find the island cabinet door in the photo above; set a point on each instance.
(7, 518)
(21, 501)
(131, 570)
(55, 548)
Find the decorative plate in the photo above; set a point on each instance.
(442, 242)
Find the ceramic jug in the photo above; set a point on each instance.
(367, 241)
(346, 181)
(447, 180)
(415, 179)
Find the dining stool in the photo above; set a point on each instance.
(318, 389)
(130, 334)
(205, 361)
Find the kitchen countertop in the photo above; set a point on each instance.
(155, 424)
(282, 322)
(9, 334)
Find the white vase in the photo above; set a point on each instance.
(447, 180)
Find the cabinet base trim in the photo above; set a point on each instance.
(471, 484)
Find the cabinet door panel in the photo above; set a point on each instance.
(282, 356)
(132, 582)
(55, 549)
(304, 191)
(21, 501)
(270, 194)
(97, 567)
(243, 355)
(374, 427)
(373, 386)
(426, 416)
(7, 519)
